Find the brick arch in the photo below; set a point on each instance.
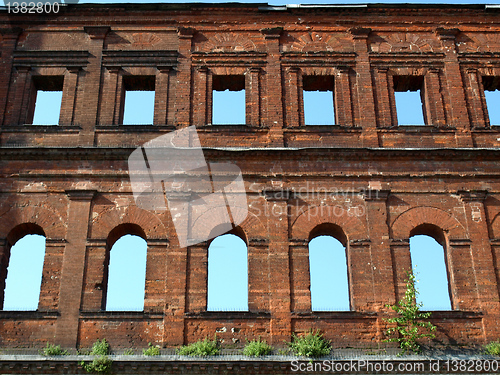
(228, 42)
(203, 226)
(351, 224)
(317, 42)
(254, 228)
(404, 224)
(478, 42)
(51, 223)
(146, 220)
(401, 42)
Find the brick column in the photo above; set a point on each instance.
(69, 96)
(51, 276)
(88, 101)
(457, 106)
(197, 278)
(293, 97)
(462, 279)
(202, 109)
(366, 103)
(175, 301)
(401, 264)
(434, 98)
(258, 276)
(252, 92)
(111, 97)
(7, 47)
(161, 95)
(361, 275)
(383, 273)
(343, 101)
(384, 94)
(70, 294)
(22, 84)
(300, 283)
(482, 259)
(183, 84)
(273, 100)
(156, 274)
(476, 99)
(96, 275)
(277, 222)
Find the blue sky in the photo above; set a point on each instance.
(227, 261)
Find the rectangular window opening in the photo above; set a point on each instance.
(139, 100)
(409, 101)
(318, 99)
(491, 86)
(47, 100)
(228, 100)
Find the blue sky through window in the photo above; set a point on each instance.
(318, 108)
(24, 274)
(47, 107)
(493, 103)
(228, 107)
(227, 274)
(427, 257)
(139, 107)
(409, 108)
(127, 274)
(328, 269)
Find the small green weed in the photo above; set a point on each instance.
(200, 348)
(151, 350)
(493, 348)
(102, 363)
(311, 345)
(410, 322)
(257, 348)
(51, 350)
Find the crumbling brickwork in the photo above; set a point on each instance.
(367, 181)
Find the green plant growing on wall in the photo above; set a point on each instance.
(493, 348)
(102, 363)
(53, 350)
(311, 345)
(410, 322)
(256, 348)
(200, 348)
(151, 350)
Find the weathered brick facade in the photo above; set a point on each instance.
(378, 183)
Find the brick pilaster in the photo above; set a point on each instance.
(366, 103)
(279, 261)
(70, 293)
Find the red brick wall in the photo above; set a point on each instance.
(372, 180)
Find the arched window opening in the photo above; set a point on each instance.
(428, 259)
(227, 274)
(328, 270)
(126, 274)
(24, 274)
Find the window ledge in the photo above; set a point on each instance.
(454, 314)
(111, 315)
(133, 128)
(241, 128)
(29, 128)
(323, 128)
(487, 129)
(418, 129)
(23, 315)
(335, 314)
(227, 314)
